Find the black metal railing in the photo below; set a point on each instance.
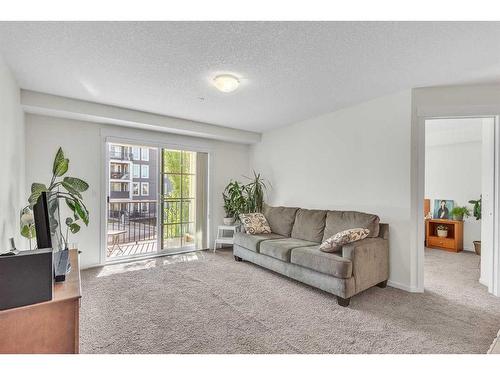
(132, 221)
(121, 155)
(119, 175)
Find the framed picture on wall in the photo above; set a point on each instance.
(442, 208)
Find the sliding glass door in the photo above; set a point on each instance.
(156, 200)
(183, 199)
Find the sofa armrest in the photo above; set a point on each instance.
(370, 261)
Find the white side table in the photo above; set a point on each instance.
(226, 240)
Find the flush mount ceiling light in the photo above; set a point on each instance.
(226, 82)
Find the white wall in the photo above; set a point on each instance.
(82, 143)
(357, 158)
(453, 171)
(12, 159)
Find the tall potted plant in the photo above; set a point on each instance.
(67, 189)
(476, 212)
(234, 201)
(240, 198)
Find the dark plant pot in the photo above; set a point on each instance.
(458, 217)
(477, 247)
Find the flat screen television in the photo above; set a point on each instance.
(48, 223)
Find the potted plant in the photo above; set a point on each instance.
(442, 231)
(67, 189)
(254, 191)
(476, 212)
(458, 213)
(234, 201)
(240, 198)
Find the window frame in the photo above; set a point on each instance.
(145, 167)
(142, 185)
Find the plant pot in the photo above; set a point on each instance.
(477, 247)
(442, 233)
(458, 217)
(228, 220)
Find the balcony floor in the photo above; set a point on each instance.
(132, 249)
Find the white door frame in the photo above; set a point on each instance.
(140, 138)
(418, 189)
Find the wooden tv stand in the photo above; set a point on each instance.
(46, 327)
(455, 240)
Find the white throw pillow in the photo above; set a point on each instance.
(255, 223)
(335, 242)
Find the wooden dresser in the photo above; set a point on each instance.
(47, 327)
(455, 240)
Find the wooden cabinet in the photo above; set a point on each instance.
(453, 242)
(46, 327)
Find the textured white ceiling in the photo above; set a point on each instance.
(290, 71)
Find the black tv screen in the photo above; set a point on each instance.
(48, 223)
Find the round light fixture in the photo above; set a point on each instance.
(226, 82)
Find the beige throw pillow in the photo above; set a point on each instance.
(255, 223)
(335, 242)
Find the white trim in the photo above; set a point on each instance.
(418, 187)
(138, 136)
(407, 288)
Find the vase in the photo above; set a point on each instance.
(442, 233)
(228, 220)
(477, 247)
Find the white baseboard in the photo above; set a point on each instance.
(407, 288)
(483, 282)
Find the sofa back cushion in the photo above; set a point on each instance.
(338, 221)
(280, 219)
(309, 225)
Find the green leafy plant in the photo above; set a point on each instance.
(476, 210)
(255, 193)
(243, 198)
(234, 199)
(442, 227)
(460, 212)
(67, 189)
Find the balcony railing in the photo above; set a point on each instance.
(120, 175)
(121, 155)
(135, 220)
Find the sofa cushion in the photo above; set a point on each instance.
(252, 241)
(329, 263)
(309, 225)
(335, 242)
(280, 249)
(255, 223)
(280, 219)
(337, 221)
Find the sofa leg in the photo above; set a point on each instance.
(237, 258)
(344, 302)
(382, 284)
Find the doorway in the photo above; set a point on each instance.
(459, 171)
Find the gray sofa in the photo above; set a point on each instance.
(292, 249)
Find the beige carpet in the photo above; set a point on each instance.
(208, 303)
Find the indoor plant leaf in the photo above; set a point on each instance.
(74, 228)
(61, 168)
(57, 160)
(71, 189)
(76, 183)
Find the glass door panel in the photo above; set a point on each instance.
(179, 200)
(132, 195)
